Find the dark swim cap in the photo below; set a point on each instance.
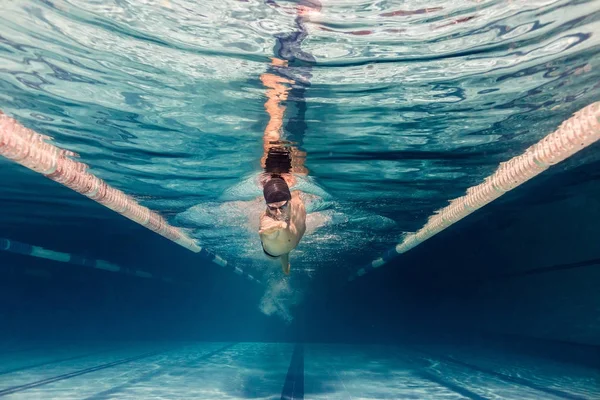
(276, 190)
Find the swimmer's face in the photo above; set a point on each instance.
(279, 210)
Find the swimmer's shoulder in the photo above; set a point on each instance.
(297, 201)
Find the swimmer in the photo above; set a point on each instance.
(283, 223)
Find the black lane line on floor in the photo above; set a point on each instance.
(57, 378)
(293, 388)
(10, 371)
(150, 375)
(451, 386)
(508, 378)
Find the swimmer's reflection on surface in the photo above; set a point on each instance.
(283, 223)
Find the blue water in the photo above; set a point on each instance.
(398, 106)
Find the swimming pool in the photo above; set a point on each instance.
(376, 113)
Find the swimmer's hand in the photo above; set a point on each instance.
(285, 263)
(272, 226)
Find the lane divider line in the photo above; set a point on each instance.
(293, 387)
(33, 151)
(13, 246)
(20, 388)
(573, 135)
(53, 361)
(109, 393)
(449, 385)
(506, 378)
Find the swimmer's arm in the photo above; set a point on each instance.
(268, 226)
(285, 263)
(298, 220)
(293, 228)
(273, 229)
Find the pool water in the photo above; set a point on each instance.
(377, 113)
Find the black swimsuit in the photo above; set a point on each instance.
(270, 255)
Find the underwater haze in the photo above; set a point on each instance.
(388, 109)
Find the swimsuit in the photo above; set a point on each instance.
(270, 255)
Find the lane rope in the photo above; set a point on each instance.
(573, 135)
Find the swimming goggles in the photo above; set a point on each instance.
(281, 207)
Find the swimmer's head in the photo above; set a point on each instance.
(277, 196)
(276, 190)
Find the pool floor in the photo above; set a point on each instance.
(145, 370)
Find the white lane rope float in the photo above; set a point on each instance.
(32, 150)
(573, 135)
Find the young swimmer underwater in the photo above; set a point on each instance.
(284, 221)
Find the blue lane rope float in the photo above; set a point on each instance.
(13, 246)
(207, 255)
(574, 134)
(16, 247)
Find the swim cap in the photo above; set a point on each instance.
(275, 190)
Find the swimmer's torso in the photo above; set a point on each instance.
(284, 240)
